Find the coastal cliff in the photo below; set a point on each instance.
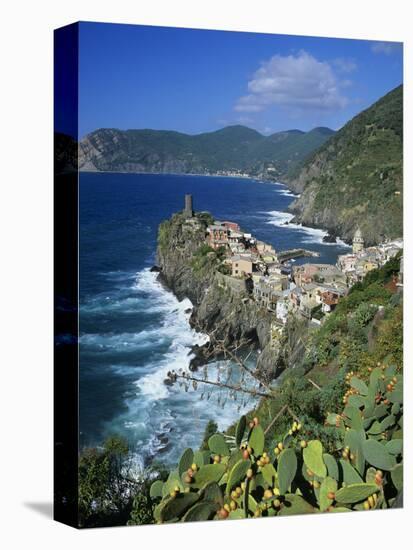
(356, 178)
(222, 306)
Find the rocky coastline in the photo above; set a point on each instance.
(222, 308)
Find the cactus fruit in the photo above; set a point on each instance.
(187, 478)
(223, 513)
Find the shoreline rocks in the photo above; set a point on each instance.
(329, 238)
(220, 308)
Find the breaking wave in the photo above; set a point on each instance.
(310, 234)
(158, 419)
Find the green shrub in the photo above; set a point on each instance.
(104, 491)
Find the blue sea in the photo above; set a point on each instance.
(132, 330)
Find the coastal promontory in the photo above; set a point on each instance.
(223, 306)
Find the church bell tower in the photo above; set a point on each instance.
(358, 241)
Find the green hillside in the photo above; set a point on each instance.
(234, 148)
(355, 178)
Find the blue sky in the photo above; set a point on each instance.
(196, 81)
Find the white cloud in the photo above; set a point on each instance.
(386, 47)
(297, 81)
(345, 65)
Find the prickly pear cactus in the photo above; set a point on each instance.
(297, 476)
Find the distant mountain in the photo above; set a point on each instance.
(356, 177)
(234, 148)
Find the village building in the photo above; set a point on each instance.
(249, 239)
(317, 273)
(308, 306)
(266, 251)
(329, 298)
(313, 297)
(302, 301)
(235, 236)
(364, 265)
(356, 266)
(280, 281)
(222, 233)
(232, 226)
(390, 249)
(244, 265)
(236, 247)
(283, 307)
(268, 290)
(346, 262)
(295, 297)
(217, 236)
(273, 268)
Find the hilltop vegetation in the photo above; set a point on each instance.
(234, 148)
(356, 177)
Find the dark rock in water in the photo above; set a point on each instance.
(196, 362)
(202, 356)
(329, 239)
(163, 439)
(188, 310)
(165, 448)
(154, 269)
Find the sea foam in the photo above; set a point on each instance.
(311, 234)
(175, 327)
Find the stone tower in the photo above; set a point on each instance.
(188, 212)
(358, 242)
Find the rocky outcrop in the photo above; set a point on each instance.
(222, 306)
